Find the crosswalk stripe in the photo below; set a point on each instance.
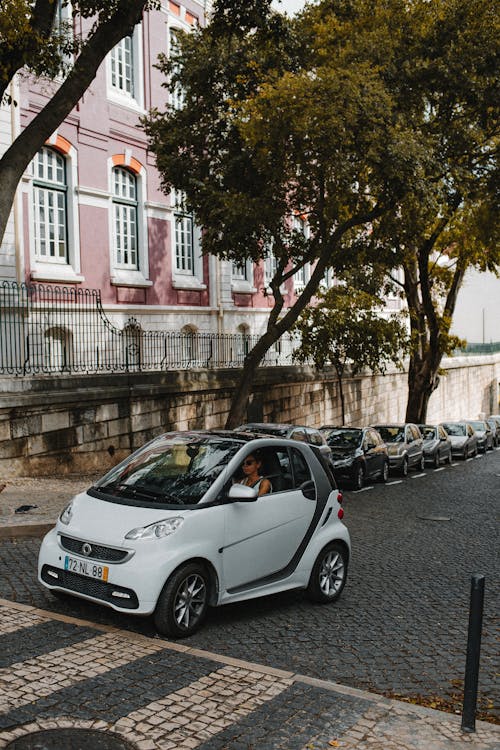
(12, 620)
(202, 709)
(27, 681)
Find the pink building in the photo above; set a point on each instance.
(90, 212)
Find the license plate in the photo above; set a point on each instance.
(86, 568)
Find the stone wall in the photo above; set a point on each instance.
(87, 423)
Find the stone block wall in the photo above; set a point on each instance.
(88, 423)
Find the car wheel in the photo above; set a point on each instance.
(421, 464)
(465, 454)
(450, 458)
(404, 467)
(359, 478)
(329, 574)
(183, 602)
(385, 472)
(436, 460)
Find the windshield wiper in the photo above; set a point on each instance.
(125, 490)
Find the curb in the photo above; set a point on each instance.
(25, 530)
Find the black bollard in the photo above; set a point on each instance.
(473, 651)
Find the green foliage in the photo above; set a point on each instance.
(34, 38)
(346, 327)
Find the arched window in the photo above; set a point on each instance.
(125, 229)
(58, 349)
(243, 345)
(189, 345)
(50, 206)
(132, 345)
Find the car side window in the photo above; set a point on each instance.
(299, 435)
(315, 438)
(409, 435)
(301, 471)
(276, 467)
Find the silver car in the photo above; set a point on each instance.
(485, 436)
(463, 439)
(405, 446)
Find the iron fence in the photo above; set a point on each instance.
(52, 329)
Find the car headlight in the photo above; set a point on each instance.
(156, 530)
(343, 463)
(393, 450)
(67, 514)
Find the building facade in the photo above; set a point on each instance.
(90, 212)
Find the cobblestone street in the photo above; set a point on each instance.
(399, 630)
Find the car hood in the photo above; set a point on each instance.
(429, 444)
(340, 454)
(106, 522)
(458, 439)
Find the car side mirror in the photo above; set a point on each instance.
(308, 489)
(240, 493)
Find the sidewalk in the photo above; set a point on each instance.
(49, 495)
(224, 706)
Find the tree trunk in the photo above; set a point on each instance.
(423, 379)
(23, 149)
(237, 411)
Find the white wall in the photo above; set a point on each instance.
(477, 315)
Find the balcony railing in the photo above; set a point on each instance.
(49, 330)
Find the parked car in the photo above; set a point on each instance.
(485, 438)
(463, 439)
(437, 444)
(172, 529)
(291, 431)
(494, 423)
(405, 446)
(358, 454)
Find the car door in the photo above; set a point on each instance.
(373, 449)
(414, 442)
(261, 537)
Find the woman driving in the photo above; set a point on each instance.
(251, 467)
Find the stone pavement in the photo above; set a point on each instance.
(57, 671)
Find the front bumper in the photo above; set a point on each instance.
(132, 586)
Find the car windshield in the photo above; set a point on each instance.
(391, 433)
(428, 433)
(264, 429)
(479, 426)
(172, 470)
(344, 438)
(456, 430)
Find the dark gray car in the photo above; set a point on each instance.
(405, 446)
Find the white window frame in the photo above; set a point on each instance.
(191, 276)
(47, 268)
(122, 274)
(242, 277)
(176, 95)
(125, 219)
(117, 94)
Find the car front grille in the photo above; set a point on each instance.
(106, 592)
(99, 552)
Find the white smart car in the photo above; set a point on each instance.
(176, 527)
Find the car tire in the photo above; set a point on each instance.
(465, 454)
(421, 464)
(359, 478)
(449, 460)
(385, 472)
(183, 602)
(436, 462)
(404, 467)
(329, 574)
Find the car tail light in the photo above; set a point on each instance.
(340, 513)
(340, 498)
